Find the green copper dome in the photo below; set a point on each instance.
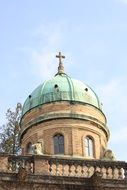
(61, 88)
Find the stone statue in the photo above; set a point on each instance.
(37, 148)
(108, 155)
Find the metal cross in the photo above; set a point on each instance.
(60, 56)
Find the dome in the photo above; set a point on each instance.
(61, 88)
(67, 108)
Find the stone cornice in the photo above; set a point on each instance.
(65, 101)
(55, 115)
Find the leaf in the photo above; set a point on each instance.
(9, 132)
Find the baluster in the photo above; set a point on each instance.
(32, 167)
(73, 170)
(10, 166)
(103, 170)
(79, 170)
(113, 172)
(97, 169)
(17, 164)
(57, 168)
(91, 170)
(82, 170)
(107, 172)
(120, 173)
(69, 169)
(88, 171)
(85, 169)
(23, 163)
(76, 170)
(63, 166)
(50, 167)
(125, 173)
(116, 173)
(28, 164)
(110, 172)
(13, 166)
(60, 167)
(66, 169)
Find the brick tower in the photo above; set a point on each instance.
(63, 116)
(63, 137)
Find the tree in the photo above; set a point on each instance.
(9, 141)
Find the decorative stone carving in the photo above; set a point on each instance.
(108, 155)
(38, 148)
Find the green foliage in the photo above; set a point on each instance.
(9, 141)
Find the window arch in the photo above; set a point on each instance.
(58, 141)
(89, 146)
(29, 148)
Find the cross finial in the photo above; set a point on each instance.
(61, 67)
(60, 56)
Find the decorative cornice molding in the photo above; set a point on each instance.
(55, 115)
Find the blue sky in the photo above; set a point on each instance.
(93, 37)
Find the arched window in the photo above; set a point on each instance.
(89, 148)
(58, 144)
(29, 148)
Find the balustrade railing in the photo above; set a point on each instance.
(69, 167)
(17, 162)
(86, 168)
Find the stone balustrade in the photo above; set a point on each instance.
(16, 162)
(86, 168)
(68, 167)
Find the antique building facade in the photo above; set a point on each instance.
(63, 137)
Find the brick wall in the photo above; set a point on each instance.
(73, 130)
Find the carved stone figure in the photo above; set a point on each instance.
(108, 155)
(37, 148)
